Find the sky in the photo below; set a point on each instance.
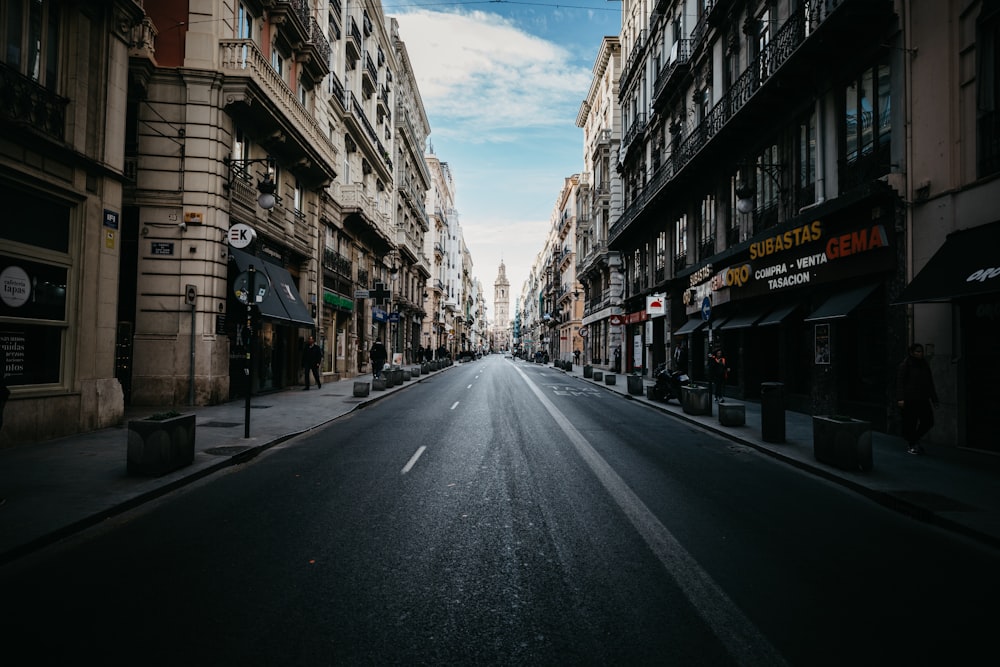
(502, 84)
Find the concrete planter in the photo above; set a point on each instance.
(732, 414)
(415, 371)
(588, 371)
(378, 384)
(635, 383)
(696, 400)
(610, 378)
(598, 376)
(361, 389)
(158, 446)
(842, 442)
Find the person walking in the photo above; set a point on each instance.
(378, 356)
(916, 397)
(719, 371)
(312, 355)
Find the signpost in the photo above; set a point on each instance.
(250, 288)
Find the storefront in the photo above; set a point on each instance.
(807, 306)
(965, 273)
(282, 320)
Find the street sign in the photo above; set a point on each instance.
(246, 292)
(360, 294)
(240, 235)
(706, 309)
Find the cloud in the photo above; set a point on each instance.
(484, 80)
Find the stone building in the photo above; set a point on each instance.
(597, 267)
(64, 81)
(217, 181)
(762, 153)
(812, 184)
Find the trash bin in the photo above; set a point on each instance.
(772, 411)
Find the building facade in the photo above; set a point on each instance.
(215, 182)
(763, 202)
(64, 77)
(598, 268)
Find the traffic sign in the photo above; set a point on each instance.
(255, 293)
(706, 309)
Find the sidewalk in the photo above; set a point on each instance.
(56, 488)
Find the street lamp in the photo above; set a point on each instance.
(266, 187)
(745, 192)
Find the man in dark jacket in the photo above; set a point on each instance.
(916, 396)
(378, 356)
(312, 355)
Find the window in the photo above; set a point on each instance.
(706, 228)
(806, 180)
(297, 196)
(866, 127)
(987, 89)
(31, 40)
(244, 22)
(680, 243)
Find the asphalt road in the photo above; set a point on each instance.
(504, 513)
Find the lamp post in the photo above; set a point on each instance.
(252, 286)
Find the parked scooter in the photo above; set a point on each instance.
(668, 383)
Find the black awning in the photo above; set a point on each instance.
(741, 321)
(778, 315)
(284, 287)
(841, 305)
(276, 303)
(690, 327)
(966, 265)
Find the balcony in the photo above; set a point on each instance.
(364, 134)
(366, 216)
(353, 46)
(292, 18)
(635, 59)
(369, 77)
(314, 56)
(30, 107)
(760, 93)
(253, 89)
(334, 261)
(633, 136)
(673, 77)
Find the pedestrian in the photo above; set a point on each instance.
(576, 356)
(618, 360)
(378, 356)
(916, 397)
(718, 372)
(680, 357)
(312, 355)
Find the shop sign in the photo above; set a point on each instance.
(656, 305)
(806, 255)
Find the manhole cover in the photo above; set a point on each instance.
(933, 501)
(226, 451)
(220, 424)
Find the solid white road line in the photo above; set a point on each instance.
(740, 637)
(413, 460)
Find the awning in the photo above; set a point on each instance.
(778, 315)
(690, 327)
(966, 265)
(841, 305)
(742, 321)
(282, 301)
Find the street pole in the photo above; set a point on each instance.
(248, 368)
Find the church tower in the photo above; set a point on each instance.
(501, 307)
